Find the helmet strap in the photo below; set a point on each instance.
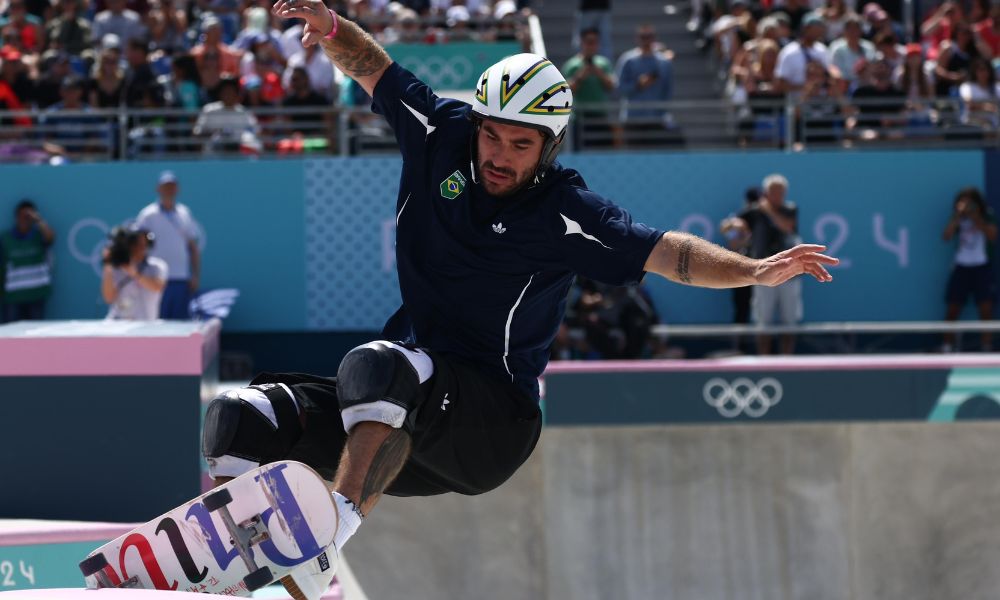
(474, 149)
(549, 152)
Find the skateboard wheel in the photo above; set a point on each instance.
(217, 500)
(93, 564)
(258, 579)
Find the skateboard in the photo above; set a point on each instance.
(232, 540)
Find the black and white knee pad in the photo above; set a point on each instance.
(380, 382)
(250, 426)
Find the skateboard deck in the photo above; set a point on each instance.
(232, 540)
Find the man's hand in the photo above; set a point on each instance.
(353, 51)
(317, 17)
(193, 284)
(804, 258)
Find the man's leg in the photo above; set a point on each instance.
(763, 304)
(379, 391)
(176, 297)
(984, 293)
(956, 295)
(986, 314)
(790, 304)
(374, 456)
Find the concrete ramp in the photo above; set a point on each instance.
(764, 512)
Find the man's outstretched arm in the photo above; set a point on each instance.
(691, 260)
(351, 49)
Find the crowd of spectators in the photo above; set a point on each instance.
(219, 57)
(855, 71)
(638, 84)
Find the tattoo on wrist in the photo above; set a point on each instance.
(684, 261)
(385, 465)
(354, 51)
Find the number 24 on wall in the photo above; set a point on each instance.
(7, 573)
(829, 228)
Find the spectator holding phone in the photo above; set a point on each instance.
(973, 225)
(645, 75)
(591, 78)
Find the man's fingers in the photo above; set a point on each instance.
(824, 259)
(814, 257)
(805, 249)
(298, 11)
(819, 272)
(311, 36)
(816, 270)
(294, 8)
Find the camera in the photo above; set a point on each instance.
(123, 239)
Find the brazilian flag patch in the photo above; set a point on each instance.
(452, 186)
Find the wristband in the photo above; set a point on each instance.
(333, 31)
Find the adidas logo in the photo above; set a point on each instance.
(444, 405)
(499, 228)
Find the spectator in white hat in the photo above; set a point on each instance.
(176, 234)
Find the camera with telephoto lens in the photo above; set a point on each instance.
(123, 239)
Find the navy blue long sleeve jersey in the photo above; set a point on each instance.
(486, 278)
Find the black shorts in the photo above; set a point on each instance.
(977, 282)
(471, 432)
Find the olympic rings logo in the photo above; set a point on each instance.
(93, 256)
(441, 72)
(742, 396)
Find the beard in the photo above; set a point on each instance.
(515, 182)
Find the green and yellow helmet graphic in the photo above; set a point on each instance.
(525, 89)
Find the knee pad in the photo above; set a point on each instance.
(380, 382)
(250, 426)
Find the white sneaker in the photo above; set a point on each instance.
(311, 580)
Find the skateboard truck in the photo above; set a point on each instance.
(243, 536)
(95, 565)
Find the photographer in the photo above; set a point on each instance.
(972, 273)
(132, 282)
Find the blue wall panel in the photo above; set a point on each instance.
(310, 243)
(251, 212)
(882, 212)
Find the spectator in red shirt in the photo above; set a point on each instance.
(28, 26)
(14, 73)
(228, 59)
(937, 28)
(988, 31)
(10, 101)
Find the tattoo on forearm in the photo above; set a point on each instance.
(386, 464)
(354, 51)
(684, 261)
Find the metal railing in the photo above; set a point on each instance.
(148, 134)
(784, 124)
(834, 336)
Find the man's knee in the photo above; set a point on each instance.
(249, 426)
(381, 382)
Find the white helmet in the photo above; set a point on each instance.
(529, 91)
